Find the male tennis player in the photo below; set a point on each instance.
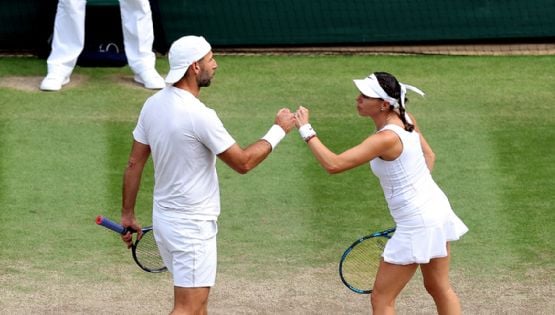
(185, 137)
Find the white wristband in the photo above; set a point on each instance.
(274, 135)
(307, 132)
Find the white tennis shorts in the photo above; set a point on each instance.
(188, 248)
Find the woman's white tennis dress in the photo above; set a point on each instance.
(423, 216)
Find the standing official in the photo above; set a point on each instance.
(69, 39)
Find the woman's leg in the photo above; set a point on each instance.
(436, 281)
(390, 280)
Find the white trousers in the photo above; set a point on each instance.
(69, 35)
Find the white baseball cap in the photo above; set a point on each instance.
(184, 52)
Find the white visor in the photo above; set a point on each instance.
(370, 87)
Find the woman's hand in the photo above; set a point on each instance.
(301, 116)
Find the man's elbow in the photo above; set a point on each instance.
(242, 171)
(243, 168)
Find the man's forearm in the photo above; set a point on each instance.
(131, 184)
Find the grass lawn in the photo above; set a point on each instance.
(489, 120)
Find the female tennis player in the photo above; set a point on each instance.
(402, 160)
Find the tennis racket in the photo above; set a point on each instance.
(145, 252)
(359, 263)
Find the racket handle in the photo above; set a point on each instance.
(109, 224)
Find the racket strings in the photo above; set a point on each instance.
(361, 263)
(147, 254)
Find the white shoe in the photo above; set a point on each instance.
(150, 79)
(53, 83)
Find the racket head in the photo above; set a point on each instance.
(360, 261)
(146, 253)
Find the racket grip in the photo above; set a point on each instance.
(109, 224)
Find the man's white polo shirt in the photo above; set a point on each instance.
(184, 137)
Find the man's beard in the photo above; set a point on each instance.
(204, 80)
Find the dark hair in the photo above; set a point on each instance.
(392, 87)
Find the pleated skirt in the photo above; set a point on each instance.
(420, 238)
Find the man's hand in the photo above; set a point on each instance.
(285, 119)
(129, 221)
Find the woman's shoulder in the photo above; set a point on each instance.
(393, 127)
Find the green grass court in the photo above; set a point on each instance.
(283, 226)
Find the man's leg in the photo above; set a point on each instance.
(190, 301)
(67, 43)
(138, 38)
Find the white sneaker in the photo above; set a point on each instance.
(150, 79)
(53, 83)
